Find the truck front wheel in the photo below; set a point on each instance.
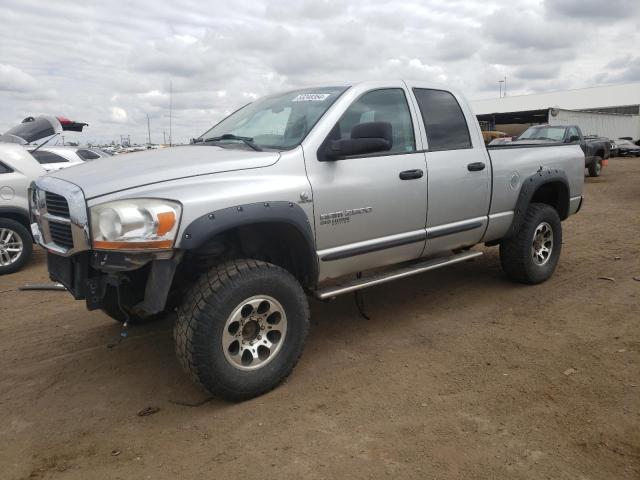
(242, 328)
(532, 254)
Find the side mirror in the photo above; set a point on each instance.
(574, 138)
(365, 138)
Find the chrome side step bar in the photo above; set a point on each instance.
(414, 269)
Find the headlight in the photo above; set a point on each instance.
(135, 224)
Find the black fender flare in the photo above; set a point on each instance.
(530, 186)
(16, 210)
(207, 226)
(21, 213)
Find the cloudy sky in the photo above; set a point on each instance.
(110, 63)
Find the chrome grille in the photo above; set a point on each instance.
(57, 205)
(61, 234)
(60, 211)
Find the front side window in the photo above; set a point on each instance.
(277, 122)
(443, 120)
(573, 132)
(42, 156)
(386, 105)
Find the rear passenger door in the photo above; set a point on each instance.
(459, 172)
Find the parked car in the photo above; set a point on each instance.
(613, 149)
(294, 194)
(56, 157)
(596, 149)
(626, 148)
(18, 169)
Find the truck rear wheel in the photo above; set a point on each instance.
(595, 168)
(242, 328)
(532, 254)
(16, 246)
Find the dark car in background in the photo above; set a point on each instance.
(626, 148)
(596, 149)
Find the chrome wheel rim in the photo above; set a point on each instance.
(254, 332)
(542, 245)
(11, 247)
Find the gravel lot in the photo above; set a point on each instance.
(458, 374)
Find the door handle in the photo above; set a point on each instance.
(476, 166)
(411, 174)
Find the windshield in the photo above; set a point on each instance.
(279, 121)
(543, 133)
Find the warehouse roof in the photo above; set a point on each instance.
(579, 99)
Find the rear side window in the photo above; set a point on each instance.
(387, 105)
(4, 169)
(444, 121)
(43, 156)
(87, 155)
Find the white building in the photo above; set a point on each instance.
(612, 111)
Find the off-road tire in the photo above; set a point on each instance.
(595, 167)
(200, 325)
(516, 252)
(27, 245)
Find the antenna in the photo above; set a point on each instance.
(149, 129)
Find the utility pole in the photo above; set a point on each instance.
(170, 108)
(164, 137)
(505, 85)
(148, 130)
(500, 82)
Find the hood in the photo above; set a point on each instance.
(130, 170)
(35, 128)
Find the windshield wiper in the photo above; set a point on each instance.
(230, 136)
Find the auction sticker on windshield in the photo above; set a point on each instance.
(311, 97)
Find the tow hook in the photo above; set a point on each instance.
(124, 332)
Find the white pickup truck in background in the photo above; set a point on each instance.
(307, 192)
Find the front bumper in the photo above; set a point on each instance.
(59, 223)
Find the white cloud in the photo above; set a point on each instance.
(13, 79)
(118, 115)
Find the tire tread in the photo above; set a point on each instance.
(206, 293)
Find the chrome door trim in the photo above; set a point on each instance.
(374, 245)
(455, 227)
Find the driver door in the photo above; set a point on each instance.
(370, 210)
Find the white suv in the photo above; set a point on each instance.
(18, 168)
(56, 157)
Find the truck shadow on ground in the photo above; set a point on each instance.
(401, 309)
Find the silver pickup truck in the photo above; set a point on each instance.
(314, 192)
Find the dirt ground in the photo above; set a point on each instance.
(458, 374)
